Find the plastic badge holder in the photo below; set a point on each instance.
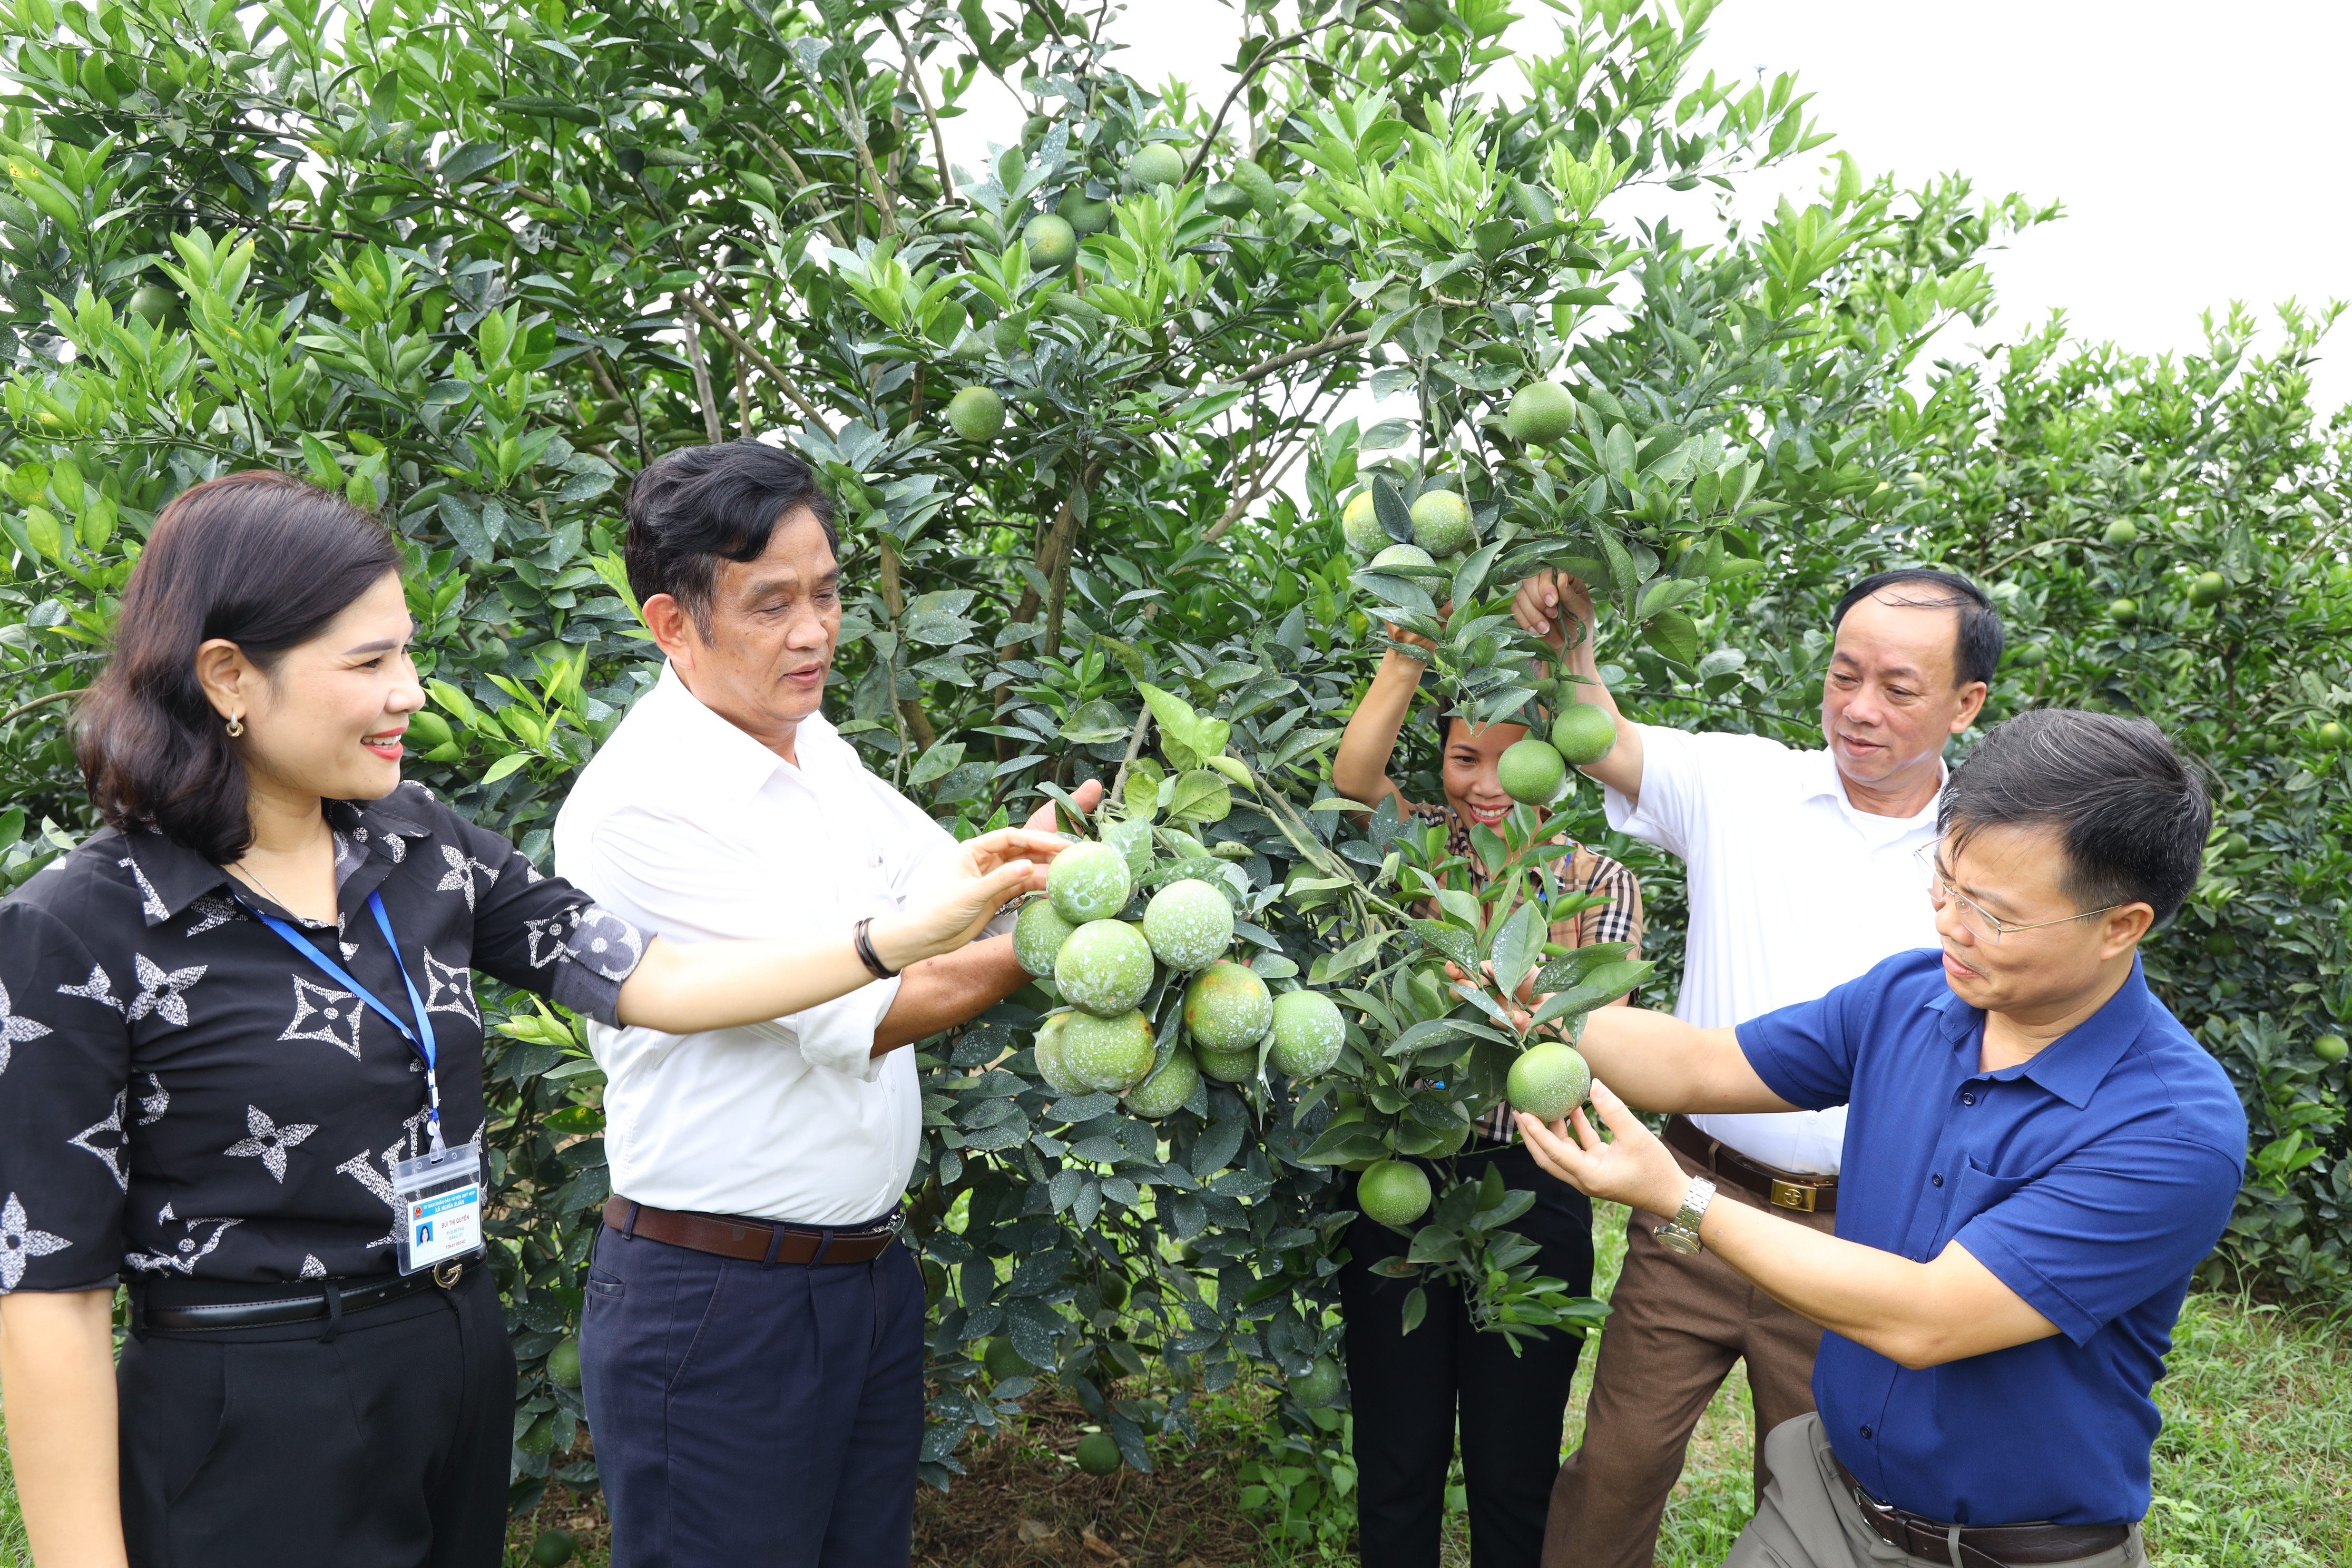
(440, 1198)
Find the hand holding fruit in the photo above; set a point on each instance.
(1635, 1170)
(992, 870)
(1544, 593)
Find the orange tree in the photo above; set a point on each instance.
(474, 265)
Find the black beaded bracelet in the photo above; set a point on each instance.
(866, 953)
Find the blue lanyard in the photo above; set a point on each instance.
(421, 1037)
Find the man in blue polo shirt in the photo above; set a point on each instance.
(2037, 1156)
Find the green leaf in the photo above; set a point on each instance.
(1180, 726)
(1674, 634)
(935, 763)
(1142, 797)
(1200, 797)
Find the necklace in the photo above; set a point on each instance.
(245, 873)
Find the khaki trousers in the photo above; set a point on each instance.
(1807, 1518)
(1675, 1326)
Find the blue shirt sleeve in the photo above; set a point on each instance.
(2102, 1231)
(1808, 1054)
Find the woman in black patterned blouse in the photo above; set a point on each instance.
(216, 1017)
(1411, 1392)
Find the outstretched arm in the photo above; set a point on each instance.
(941, 993)
(1542, 602)
(1660, 1063)
(1359, 769)
(685, 988)
(1917, 1314)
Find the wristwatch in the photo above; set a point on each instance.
(1680, 1234)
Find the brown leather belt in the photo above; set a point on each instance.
(1981, 1546)
(753, 1241)
(1805, 1191)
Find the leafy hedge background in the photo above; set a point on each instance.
(475, 264)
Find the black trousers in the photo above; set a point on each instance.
(386, 1446)
(749, 1412)
(1409, 1390)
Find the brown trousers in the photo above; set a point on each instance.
(1676, 1325)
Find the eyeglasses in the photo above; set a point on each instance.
(1990, 928)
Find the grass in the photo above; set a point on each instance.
(2254, 1470)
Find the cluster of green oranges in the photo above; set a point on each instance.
(1104, 966)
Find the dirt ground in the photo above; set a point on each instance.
(1023, 1503)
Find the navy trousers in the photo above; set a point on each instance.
(753, 1412)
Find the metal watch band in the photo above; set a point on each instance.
(1680, 1234)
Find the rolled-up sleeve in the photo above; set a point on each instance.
(692, 886)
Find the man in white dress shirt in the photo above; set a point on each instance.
(752, 1345)
(1800, 878)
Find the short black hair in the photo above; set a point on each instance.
(701, 504)
(2132, 812)
(1978, 653)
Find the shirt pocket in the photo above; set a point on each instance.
(1976, 1190)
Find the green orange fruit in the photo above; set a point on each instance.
(1038, 932)
(1583, 733)
(1441, 524)
(976, 414)
(1532, 771)
(1108, 1053)
(1090, 881)
(1541, 411)
(1548, 1080)
(1053, 242)
(1309, 1033)
(1393, 1193)
(1105, 968)
(1167, 1089)
(1227, 1008)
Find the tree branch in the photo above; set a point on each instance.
(1257, 486)
(23, 708)
(1283, 361)
(702, 392)
(911, 709)
(1265, 57)
(735, 340)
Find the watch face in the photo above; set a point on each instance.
(1674, 1238)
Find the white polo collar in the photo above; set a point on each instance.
(729, 764)
(1824, 782)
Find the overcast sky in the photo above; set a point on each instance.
(2198, 150)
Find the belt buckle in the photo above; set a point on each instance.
(1795, 1195)
(446, 1275)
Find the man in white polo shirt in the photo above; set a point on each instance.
(1800, 878)
(753, 1342)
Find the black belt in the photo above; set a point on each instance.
(1980, 1545)
(332, 1301)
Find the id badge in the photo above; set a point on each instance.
(440, 1198)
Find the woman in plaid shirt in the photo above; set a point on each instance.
(1410, 1392)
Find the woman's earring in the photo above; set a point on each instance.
(236, 728)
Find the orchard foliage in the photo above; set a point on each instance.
(474, 265)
